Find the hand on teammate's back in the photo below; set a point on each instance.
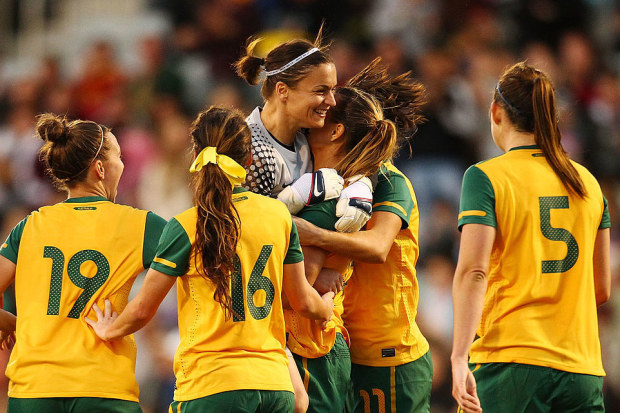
(104, 319)
(354, 205)
(312, 188)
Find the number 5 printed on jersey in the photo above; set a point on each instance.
(89, 285)
(547, 203)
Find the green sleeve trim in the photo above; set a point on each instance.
(605, 220)
(10, 248)
(173, 250)
(294, 254)
(152, 231)
(322, 215)
(477, 199)
(392, 194)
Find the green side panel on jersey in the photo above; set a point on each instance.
(152, 231)
(294, 254)
(322, 215)
(173, 251)
(392, 194)
(605, 220)
(10, 248)
(477, 199)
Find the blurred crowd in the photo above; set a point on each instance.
(456, 48)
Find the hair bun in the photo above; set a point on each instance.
(52, 128)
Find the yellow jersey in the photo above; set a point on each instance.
(247, 350)
(305, 337)
(69, 256)
(381, 300)
(540, 306)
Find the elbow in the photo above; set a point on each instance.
(602, 297)
(378, 255)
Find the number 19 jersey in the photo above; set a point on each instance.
(69, 256)
(539, 307)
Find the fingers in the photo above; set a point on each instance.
(108, 308)
(98, 312)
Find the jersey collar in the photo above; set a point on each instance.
(83, 199)
(239, 189)
(524, 147)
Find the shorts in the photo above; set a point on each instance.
(327, 379)
(516, 388)
(72, 405)
(239, 401)
(404, 388)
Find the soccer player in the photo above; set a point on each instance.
(65, 257)
(533, 265)
(298, 91)
(391, 364)
(231, 255)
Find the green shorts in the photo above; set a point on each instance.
(72, 405)
(404, 388)
(516, 388)
(239, 401)
(327, 378)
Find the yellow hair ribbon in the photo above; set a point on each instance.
(234, 172)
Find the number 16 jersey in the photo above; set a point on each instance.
(246, 351)
(69, 256)
(540, 306)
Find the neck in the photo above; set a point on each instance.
(325, 156)
(81, 190)
(279, 124)
(514, 139)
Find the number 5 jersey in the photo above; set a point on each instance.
(540, 305)
(69, 256)
(247, 350)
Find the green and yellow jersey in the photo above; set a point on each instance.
(381, 300)
(247, 350)
(69, 256)
(540, 306)
(306, 338)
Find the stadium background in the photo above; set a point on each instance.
(145, 67)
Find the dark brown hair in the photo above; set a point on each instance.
(379, 111)
(370, 139)
(249, 67)
(218, 225)
(70, 147)
(401, 97)
(528, 97)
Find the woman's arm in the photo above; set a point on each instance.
(602, 271)
(138, 312)
(302, 297)
(371, 245)
(7, 276)
(468, 290)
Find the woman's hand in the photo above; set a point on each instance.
(7, 340)
(104, 320)
(464, 387)
(327, 298)
(329, 280)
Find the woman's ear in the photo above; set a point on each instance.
(281, 91)
(99, 169)
(496, 113)
(337, 132)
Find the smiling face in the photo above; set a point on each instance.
(308, 102)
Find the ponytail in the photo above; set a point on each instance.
(374, 148)
(548, 138)
(527, 96)
(248, 67)
(218, 224)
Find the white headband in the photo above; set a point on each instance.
(291, 63)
